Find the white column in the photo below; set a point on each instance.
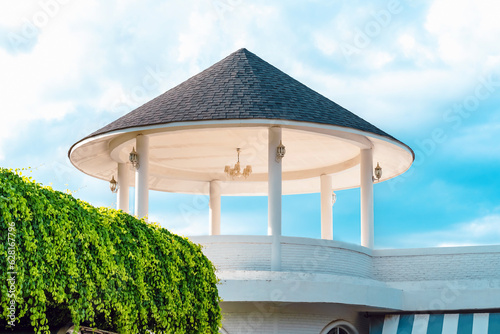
(366, 168)
(326, 207)
(274, 198)
(141, 177)
(214, 207)
(123, 185)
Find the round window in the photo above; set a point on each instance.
(339, 327)
(339, 330)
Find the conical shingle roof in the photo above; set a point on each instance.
(195, 129)
(241, 86)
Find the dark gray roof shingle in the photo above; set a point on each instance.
(240, 86)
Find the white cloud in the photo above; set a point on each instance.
(412, 68)
(407, 41)
(70, 63)
(421, 54)
(35, 79)
(410, 96)
(380, 59)
(481, 231)
(325, 43)
(467, 31)
(17, 11)
(193, 41)
(217, 28)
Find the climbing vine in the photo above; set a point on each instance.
(63, 260)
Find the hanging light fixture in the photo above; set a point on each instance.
(236, 170)
(113, 185)
(378, 172)
(280, 152)
(134, 158)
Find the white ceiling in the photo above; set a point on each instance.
(185, 158)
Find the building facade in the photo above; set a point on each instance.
(325, 283)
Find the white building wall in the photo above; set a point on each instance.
(324, 280)
(337, 258)
(430, 264)
(271, 318)
(237, 252)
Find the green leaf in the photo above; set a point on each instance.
(100, 266)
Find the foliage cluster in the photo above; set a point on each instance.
(99, 267)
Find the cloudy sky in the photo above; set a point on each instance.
(427, 72)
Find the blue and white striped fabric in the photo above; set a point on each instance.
(464, 323)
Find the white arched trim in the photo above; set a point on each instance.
(223, 331)
(341, 324)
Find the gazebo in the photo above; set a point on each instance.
(295, 141)
(243, 127)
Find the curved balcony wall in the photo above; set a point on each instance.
(297, 255)
(452, 278)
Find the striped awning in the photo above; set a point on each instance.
(463, 323)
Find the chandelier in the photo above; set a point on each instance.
(236, 170)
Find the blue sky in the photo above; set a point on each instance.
(427, 72)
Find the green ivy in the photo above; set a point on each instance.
(98, 267)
